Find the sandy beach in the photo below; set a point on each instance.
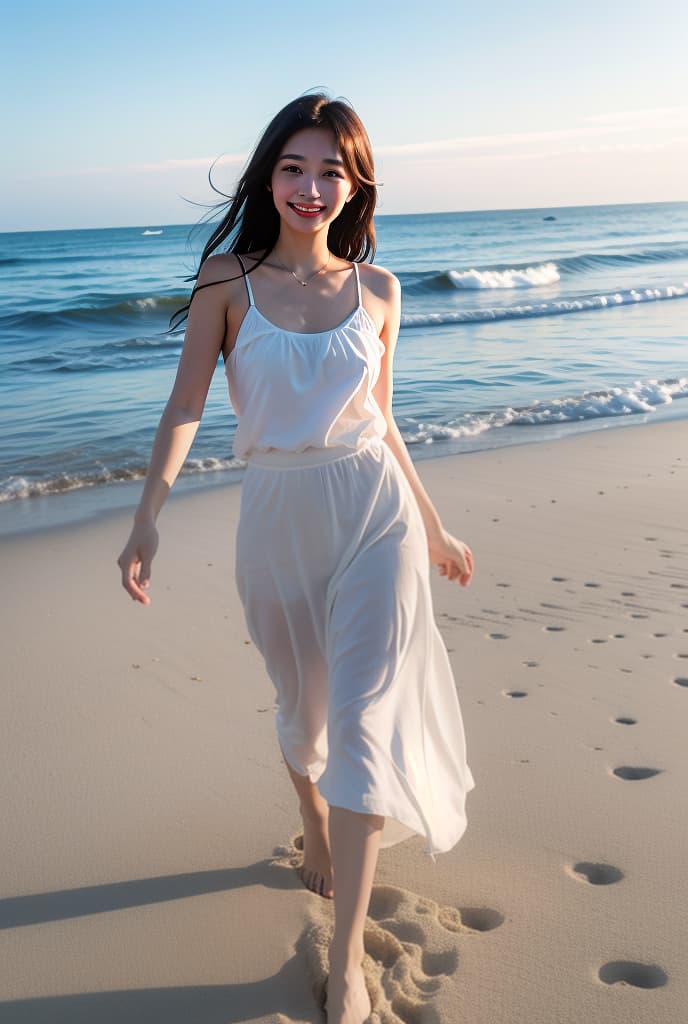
(149, 823)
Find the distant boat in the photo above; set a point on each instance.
(149, 232)
(544, 218)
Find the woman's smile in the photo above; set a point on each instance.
(306, 211)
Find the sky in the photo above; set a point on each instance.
(113, 113)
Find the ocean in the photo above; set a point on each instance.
(517, 326)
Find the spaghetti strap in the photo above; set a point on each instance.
(358, 284)
(248, 283)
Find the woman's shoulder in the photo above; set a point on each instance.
(219, 267)
(382, 282)
(224, 270)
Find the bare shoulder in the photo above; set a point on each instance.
(219, 283)
(380, 281)
(219, 268)
(382, 300)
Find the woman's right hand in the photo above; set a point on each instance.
(135, 560)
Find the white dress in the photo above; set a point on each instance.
(333, 573)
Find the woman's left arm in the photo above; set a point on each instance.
(452, 557)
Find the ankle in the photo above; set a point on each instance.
(346, 958)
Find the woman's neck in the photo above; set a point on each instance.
(303, 254)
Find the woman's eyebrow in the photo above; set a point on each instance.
(326, 159)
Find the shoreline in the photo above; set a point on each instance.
(23, 517)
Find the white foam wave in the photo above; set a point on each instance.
(639, 397)
(530, 277)
(15, 487)
(554, 308)
(210, 465)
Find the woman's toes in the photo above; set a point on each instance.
(315, 882)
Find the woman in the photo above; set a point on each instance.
(336, 532)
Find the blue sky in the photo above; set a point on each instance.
(113, 111)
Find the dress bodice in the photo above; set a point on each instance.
(294, 390)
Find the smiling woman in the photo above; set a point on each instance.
(311, 209)
(336, 532)
(321, 188)
(251, 219)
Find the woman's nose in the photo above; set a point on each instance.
(309, 189)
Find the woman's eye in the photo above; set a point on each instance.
(293, 167)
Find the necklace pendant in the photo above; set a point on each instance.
(304, 283)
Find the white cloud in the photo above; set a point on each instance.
(594, 127)
(159, 167)
(637, 117)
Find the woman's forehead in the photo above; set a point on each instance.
(312, 143)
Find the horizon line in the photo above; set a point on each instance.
(429, 213)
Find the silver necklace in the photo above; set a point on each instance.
(315, 274)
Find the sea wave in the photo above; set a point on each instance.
(96, 308)
(16, 487)
(131, 308)
(90, 257)
(611, 402)
(535, 273)
(108, 355)
(525, 277)
(638, 397)
(554, 307)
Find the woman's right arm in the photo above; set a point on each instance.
(179, 422)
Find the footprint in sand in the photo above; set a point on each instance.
(554, 629)
(626, 721)
(633, 773)
(681, 681)
(497, 636)
(514, 693)
(411, 950)
(632, 972)
(596, 874)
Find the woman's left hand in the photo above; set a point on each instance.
(453, 558)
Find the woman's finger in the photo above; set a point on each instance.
(131, 584)
(145, 572)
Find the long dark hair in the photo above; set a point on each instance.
(251, 221)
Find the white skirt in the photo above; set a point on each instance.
(333, 573)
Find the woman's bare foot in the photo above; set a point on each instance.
(316, 872)
(347, 1000)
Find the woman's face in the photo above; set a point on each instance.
(310, 183)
